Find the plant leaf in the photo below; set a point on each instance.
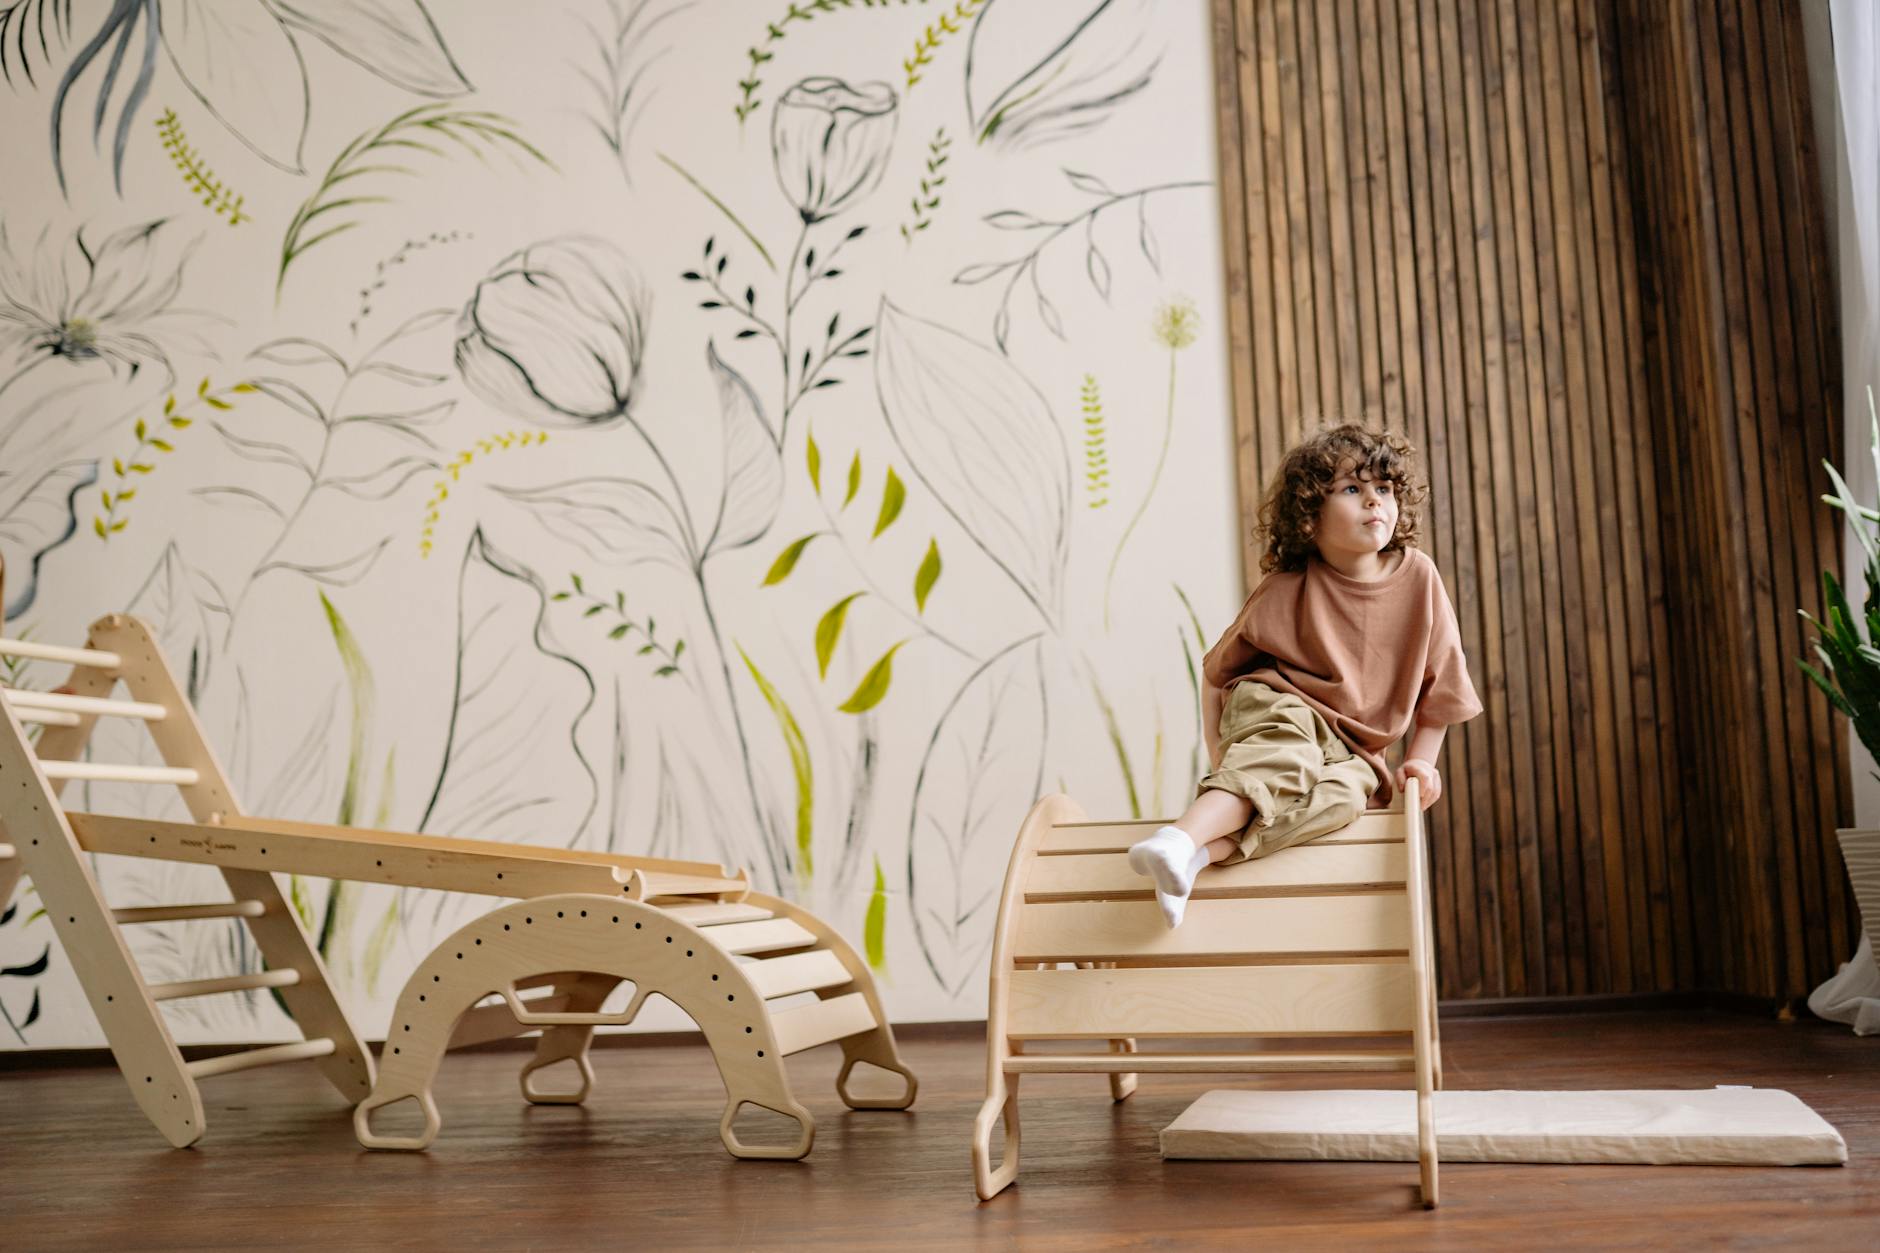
(753, 463)
(244, 67)
(927, 575)
(874, 685)
(893, 496)
(799, 766)
(983, 766)
(395, 39)
(513, 766)
(875, 925)
(829, 631)
(984, 443)
(32, 968)
(618, 522)
(787, 559)
(359, 684)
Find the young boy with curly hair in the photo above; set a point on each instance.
(1348, 644)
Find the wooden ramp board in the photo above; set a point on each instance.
(1721, 1126)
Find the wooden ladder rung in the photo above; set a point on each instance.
(718, 915)
(97, 659)
(227, 983)
(108, 772)
(1202, 1063)
(739, 938)
(248, 1059)
(649, 884)
(102, 706)
(187, 913)
(834, 1019)
(796, 972)
(47, 717)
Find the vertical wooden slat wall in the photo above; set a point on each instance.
(1573, 250)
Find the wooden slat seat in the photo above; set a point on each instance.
(1308, 870)
(1196, 1003)
(1372, 827)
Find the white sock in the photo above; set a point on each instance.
(1171, 859)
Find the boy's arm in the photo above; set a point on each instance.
(1420, 760)
(1425, 743)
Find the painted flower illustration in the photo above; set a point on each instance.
(556, 333)
(95, 302)
(830, 143)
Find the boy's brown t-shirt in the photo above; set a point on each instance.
(1371, 658)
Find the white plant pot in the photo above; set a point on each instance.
(1861, 851)
(1852, 996)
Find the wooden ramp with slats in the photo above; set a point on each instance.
(762, 978)
(1304, 951)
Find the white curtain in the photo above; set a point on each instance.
(1853, 995)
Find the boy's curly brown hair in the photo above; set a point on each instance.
(1290, 512)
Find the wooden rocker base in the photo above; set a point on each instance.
(1325, 940)
(583, 946)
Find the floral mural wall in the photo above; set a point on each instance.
(786, 434)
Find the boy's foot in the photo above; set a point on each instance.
(1173, 907)
(1171, 859)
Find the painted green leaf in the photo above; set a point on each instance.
(874, 685)
(815, 463)
(829, 630)
(142, 430)
(893, 496)
(799, 765)
(302, 902)
(169, 405)
(382, 816)
(927, 575)
(786, 560)
(359, 680)
(855, 479)
(875, 926)
(97, 524)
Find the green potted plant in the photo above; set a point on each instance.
(1850, 676)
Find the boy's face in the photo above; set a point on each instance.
(1359, 514)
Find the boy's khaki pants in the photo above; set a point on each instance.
(1279, 753)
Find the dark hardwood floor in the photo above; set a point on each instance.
(641, 1166)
